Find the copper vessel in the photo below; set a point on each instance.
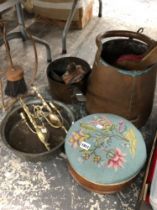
(59, 90)
(128, 93)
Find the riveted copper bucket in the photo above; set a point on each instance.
(128, 93)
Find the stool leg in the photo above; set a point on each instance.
(20, 18)
(67, 26)
(100, 8)
(24, 36)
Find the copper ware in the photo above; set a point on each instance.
(119, 91)
(59, 90)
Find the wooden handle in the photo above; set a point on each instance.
(2, 24)
(7, 44)
(3, 31)
(146, 173)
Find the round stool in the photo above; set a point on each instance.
(105, 152)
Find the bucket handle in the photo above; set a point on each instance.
(122, 33)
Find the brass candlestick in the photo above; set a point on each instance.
(49, 112)
(39, 129)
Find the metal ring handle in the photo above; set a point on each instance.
(140, 30)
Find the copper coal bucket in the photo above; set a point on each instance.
(59, 90)
(128, 93)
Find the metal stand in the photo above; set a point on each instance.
(23, 34)
(100, 8)
(69, 20)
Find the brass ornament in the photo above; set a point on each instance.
(37, 116)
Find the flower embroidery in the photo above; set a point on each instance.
(77, 138)
(117, 160)
(121, 127)
(96, 159)
(130, 136)
(101, 133)
(102, 123)
(86, 155)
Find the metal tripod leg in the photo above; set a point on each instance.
(100, 8)
(15, 35)
(24, 36)
(69, 20)
(67, 26)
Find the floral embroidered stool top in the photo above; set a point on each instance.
(105, 152)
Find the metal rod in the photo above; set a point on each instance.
(100, 8)
(22, 33)
(20, 18)
(69, 20)
(48, 50)
(67, 26)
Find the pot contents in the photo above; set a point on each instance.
(37, 126)
(22, 139)
(73, 74)
(64, 74)
(36, 117)
(118, 52)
